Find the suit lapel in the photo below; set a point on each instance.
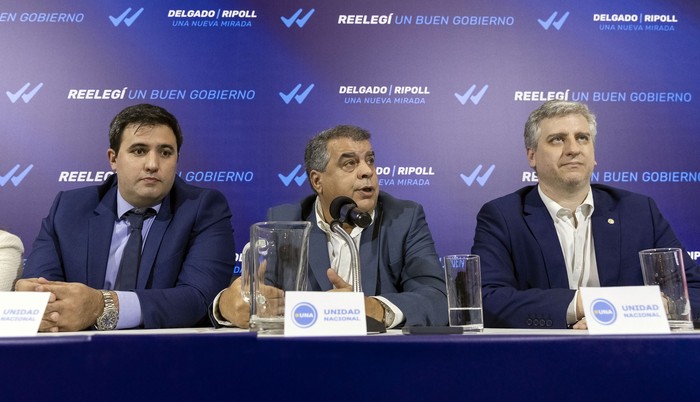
(540, 223)
(369, 252)
(319, 261)
(606, 238)
(100, 229)
(153, 242)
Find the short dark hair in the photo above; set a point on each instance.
(142, 115)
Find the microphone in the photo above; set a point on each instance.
(345, 210)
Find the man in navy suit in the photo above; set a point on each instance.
(401, 274)
(541, 243)
(188, 251)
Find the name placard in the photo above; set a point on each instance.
(21, 312)
(624, 310)
(324, 314)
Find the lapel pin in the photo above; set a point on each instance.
(611, 221)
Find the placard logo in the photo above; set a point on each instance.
(304, 315)
(603, 311)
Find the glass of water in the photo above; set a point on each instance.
(463, 279)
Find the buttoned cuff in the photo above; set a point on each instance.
(217, 314)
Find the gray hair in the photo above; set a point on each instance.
(316, 155)
(556, 108)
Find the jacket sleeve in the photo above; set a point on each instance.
(45, 258)
(420, 283)
(202, 271)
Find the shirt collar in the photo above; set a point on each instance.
(555, 210)
(123, 206)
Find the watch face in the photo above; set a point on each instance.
(110, 314)
(108, 320)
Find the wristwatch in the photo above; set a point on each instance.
(108, 320)
(389, 315)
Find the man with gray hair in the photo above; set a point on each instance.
(540, 244)
(401, 274)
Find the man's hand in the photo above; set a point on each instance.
(581, 324)
(372, 307)
(237, 311)
(339, 285)
(71, 307)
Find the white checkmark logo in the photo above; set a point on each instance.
(467, 96)
(551, 21)
(287, 179)
(10, 176)
(123, 17)
(288, 22)
(287, 97)
(469, 180)
(26, 97)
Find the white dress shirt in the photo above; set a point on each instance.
(575, 234)
(339, 254)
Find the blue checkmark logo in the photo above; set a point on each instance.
(15, 179)
(21, 93)
(467, 96)
(123, 17)
(287, 179)
(474, 176)
(551, 21)
(287, 97)
(288, 22)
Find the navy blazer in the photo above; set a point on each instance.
(524, 279)
(397, 258)
(187, 259)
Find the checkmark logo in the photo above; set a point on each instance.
(288, 22)
(15, 179)
(467, 96)
(123, 17)
(287, 179)
(474, 176)
(26, 97)
(551, 21)
(287, 97)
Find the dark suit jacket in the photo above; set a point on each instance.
(397, 253)
(524, 279)
(188, 256)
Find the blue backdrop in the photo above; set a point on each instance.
(444, 86)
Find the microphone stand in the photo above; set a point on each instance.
(373, 326)
(337, 228)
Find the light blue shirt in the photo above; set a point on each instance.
(129, 305)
